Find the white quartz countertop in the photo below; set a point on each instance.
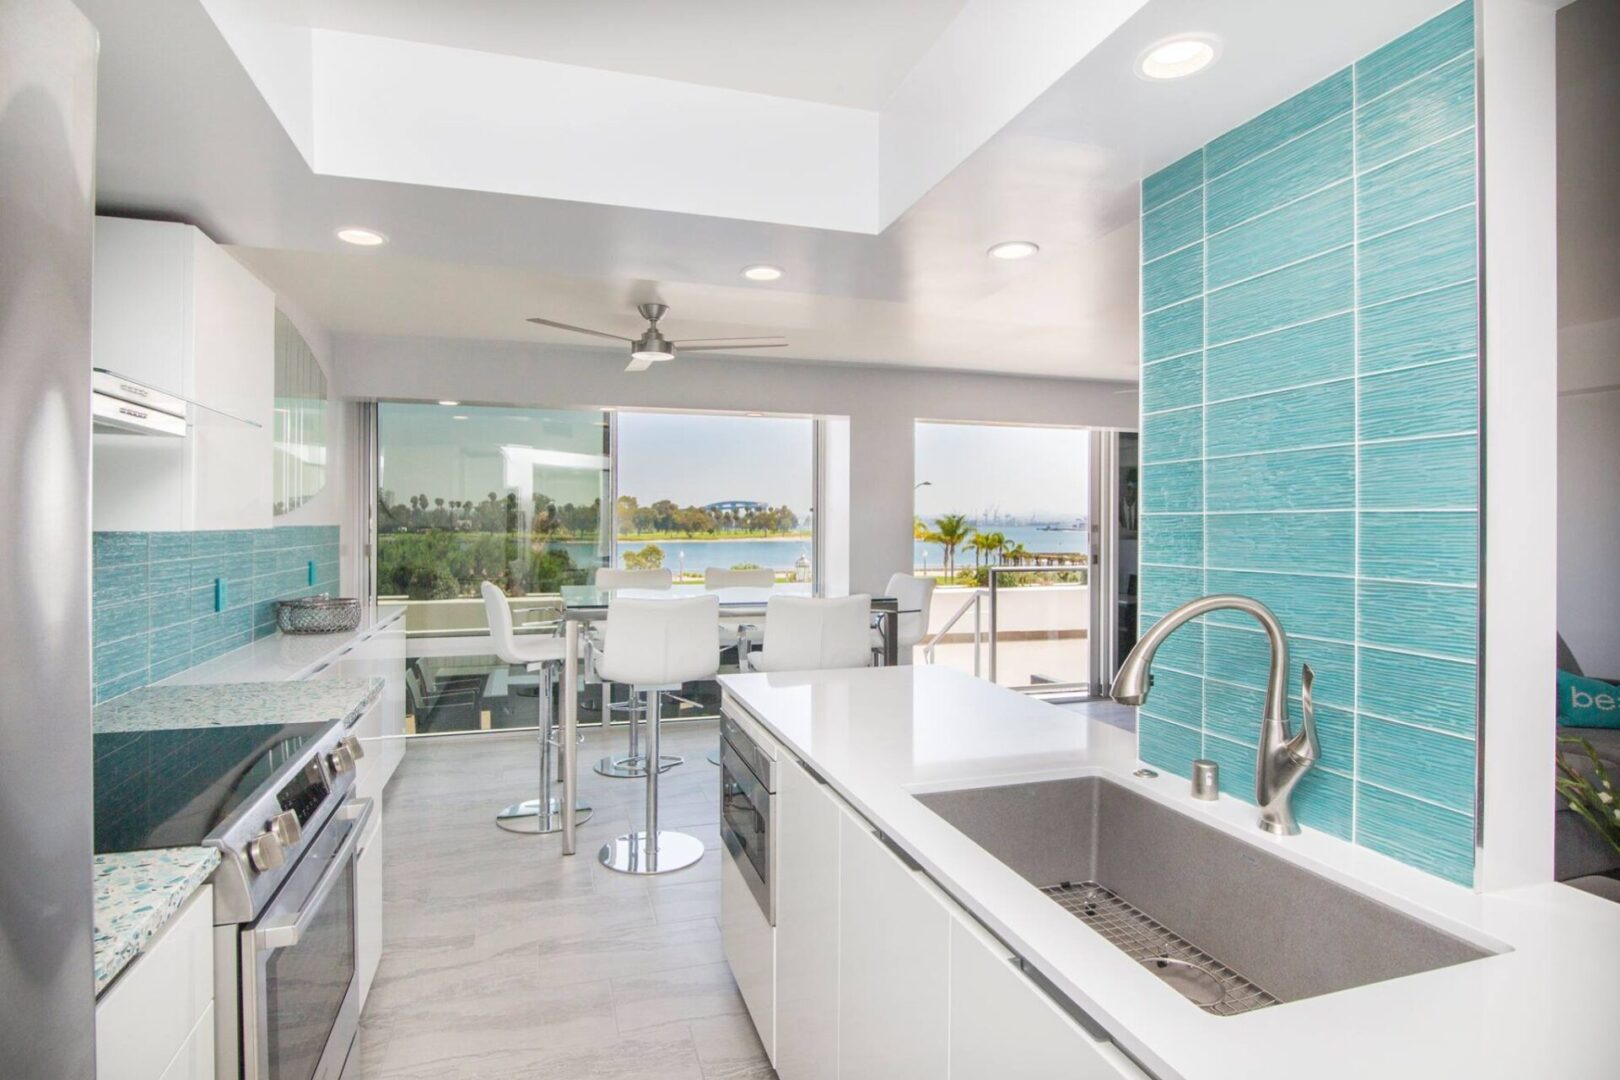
(1543, 1006)
(136, 892)
(285, 657)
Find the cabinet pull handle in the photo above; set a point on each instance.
(898, 852)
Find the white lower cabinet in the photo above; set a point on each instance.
(1003, 1027)
(882, 976)
(893, 965)
(807, 823)
(156, 1021)
(195, 1060)
(368, 903)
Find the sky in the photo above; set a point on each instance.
(695, 460)
(1019, 471)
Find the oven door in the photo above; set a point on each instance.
(745, 825)
(300, 997)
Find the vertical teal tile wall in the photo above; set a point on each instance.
(166, 601)
(1310, 437)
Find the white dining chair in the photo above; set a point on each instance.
(654, 646)
(741, 636)
(613, 577)
(544, 656)
(631, 764)
(914, 596)
(805, 633)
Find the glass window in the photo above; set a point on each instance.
(1015, 499)
(469, 493)
(732, 492)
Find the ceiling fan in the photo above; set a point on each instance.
(652, 346)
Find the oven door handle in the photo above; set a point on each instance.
(287, 931)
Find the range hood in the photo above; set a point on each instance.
(124, 406)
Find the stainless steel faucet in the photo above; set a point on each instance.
(1283, 758)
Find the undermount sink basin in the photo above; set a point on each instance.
(1230, 926)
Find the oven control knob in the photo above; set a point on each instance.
(340, 760)
(286, 828)
(352, 744)
(265, 852)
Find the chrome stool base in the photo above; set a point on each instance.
(714, 758)
(525, 817)
(632, 767)
(631, 854)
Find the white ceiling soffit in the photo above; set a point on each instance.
(397, 103)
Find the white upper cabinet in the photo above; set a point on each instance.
(175, 311)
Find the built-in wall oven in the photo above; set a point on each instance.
(748, 871)
(747, 781)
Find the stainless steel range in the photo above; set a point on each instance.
(277, 801)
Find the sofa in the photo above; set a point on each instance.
(1580, 857)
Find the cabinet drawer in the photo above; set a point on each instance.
(145, 1018)
(195, 1061)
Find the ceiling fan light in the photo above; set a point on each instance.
(651, 354)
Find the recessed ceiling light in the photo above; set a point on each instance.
(762, 272)
(1014, 249)
(449, 404)
(353, 234)
(1177, 57)
(458, 416)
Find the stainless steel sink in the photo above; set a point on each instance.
(1230, 926)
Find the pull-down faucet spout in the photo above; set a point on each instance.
(1283, 758)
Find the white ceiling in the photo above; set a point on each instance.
(838, 52)
(196, 141)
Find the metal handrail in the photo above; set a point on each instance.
(995, 573)
(974, 602)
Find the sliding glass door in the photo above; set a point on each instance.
(467, 494)
(1003, 520)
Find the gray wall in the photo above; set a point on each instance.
(47, 134)
(1589, 333)
(881, 404)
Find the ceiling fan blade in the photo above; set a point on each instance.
(579, 329)
(704, 344)
(640, 364)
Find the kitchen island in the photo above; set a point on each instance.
(868, 741)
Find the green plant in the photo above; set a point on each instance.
(950, 532)
(650, 557)
(1591, 795)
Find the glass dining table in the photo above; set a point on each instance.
(585, 604)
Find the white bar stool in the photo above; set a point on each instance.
(914, 596)
(740, 636)
(655, 646)
(633, 764)
(804, 633)
(545, 656)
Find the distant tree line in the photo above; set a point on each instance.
(664, 516)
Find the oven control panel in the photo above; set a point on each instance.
(304, 793)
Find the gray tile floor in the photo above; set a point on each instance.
(501, 959)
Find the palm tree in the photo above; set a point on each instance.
(950, 532)
(1015, 552)
(984, 545)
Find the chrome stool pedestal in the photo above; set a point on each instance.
(633, 764)
(527, 817)
(632, 853)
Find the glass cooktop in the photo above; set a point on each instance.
(172, 788)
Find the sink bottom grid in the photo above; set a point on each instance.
(1198, 976)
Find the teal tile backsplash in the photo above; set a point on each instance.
(1310, 437)
(164, 602)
